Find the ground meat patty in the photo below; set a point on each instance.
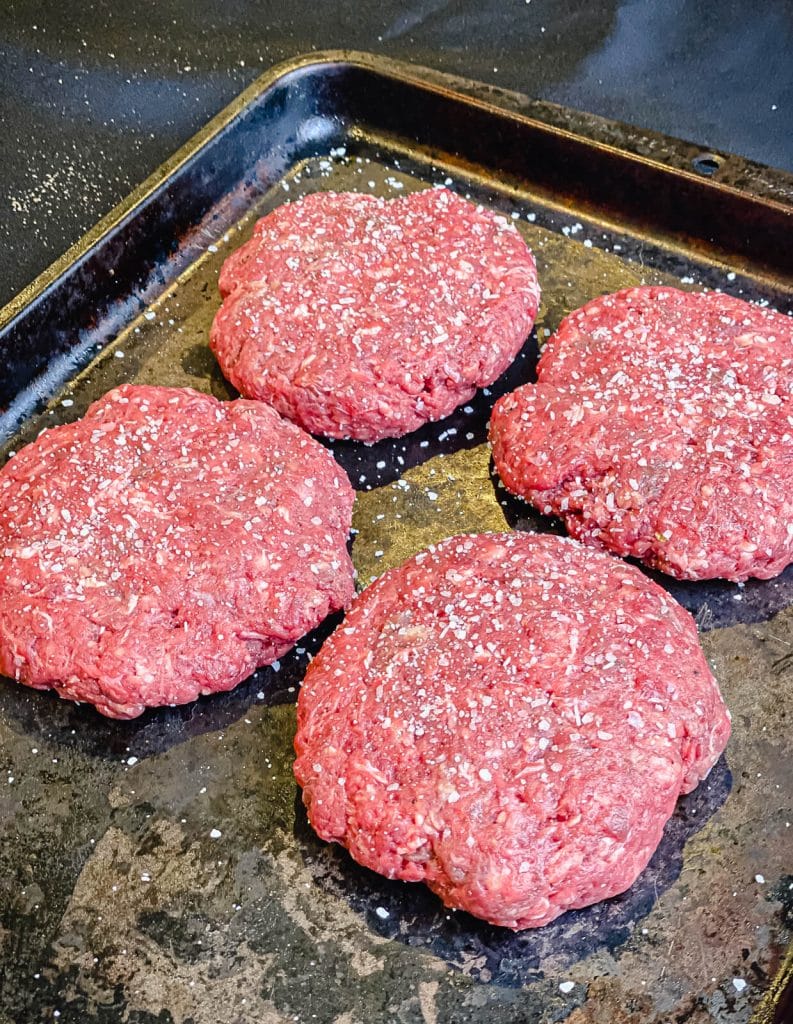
(661, 426)
(165, 546)
(363, 317)
(509, 718)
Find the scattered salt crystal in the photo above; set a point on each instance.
(132, 760)
(566, 986)
(150, 314)
(759, 879)
(382, 913)
(215, 833)
(739, 984)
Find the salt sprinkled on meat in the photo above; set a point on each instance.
(363, 317)
(162, 548)
(519, 756)
(661, 426)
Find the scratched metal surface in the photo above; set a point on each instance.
(119, 900)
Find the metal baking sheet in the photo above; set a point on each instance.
(163, 869)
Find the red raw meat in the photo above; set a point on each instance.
(661, 426)
(509, 718)
(165, 546)
(363, 317)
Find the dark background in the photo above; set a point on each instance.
(95, 95)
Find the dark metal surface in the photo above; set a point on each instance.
(118, 900)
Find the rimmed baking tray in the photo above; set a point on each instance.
(119, 900)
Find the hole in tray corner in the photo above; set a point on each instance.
(707, 163)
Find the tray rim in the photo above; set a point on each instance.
(430, 79)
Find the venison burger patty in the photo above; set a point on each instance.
(509, 718)
(661, 426)
(165, 546)
(364, 318)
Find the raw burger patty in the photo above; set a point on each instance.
(363, 317)
(509, 718)
(165, 546)
(661, 426)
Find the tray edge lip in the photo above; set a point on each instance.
(415, 74)
(133, 199)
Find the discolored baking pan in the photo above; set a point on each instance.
(163, 869)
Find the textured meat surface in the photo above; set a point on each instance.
(165, 546)
(363, 317)
(661, 426)
(509, 718)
